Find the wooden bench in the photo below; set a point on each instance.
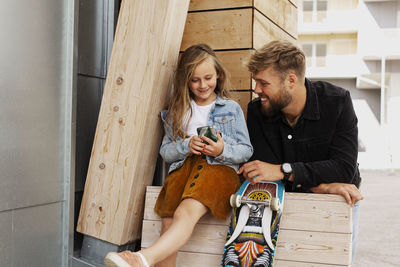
(315, 230)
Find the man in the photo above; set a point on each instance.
(303, 133)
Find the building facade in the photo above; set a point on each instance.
(356, 44)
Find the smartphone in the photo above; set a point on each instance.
(208, 131)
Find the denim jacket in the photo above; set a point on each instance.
(228, 118)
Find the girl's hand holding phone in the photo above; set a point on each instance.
(195, 145)
(211, 148)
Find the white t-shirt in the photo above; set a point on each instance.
(199, 117)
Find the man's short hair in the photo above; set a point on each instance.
(282, 55)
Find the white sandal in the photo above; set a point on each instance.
(114, 260)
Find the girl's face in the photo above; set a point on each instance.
(203, 83)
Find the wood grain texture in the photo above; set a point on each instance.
(213, 260)
(196, 5)
(296, 3)
(128, 133)
(315, 247)
(235, 62)
(222, 29)
(265, 31)
(311, 232)
(281, 12)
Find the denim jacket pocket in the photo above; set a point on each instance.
(224, 123)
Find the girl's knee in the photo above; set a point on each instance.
(190, 209)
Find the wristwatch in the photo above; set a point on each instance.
(287, 170)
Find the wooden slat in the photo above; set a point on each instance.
(288, 263)
(128, 133)
(264, 31)
(315, 197)
(213, 260)
(196, 5)
(316, 247)
(281, 12)
(314, 215)
(222, 29)
(235, 62)
(205, 239)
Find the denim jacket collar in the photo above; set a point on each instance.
(220, 101)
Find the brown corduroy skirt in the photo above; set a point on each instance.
(212, 185)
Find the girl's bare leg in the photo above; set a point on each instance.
(178, 233)
(170, 261)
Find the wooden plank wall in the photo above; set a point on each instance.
(236, 27)
(315, 231)
(128, 133)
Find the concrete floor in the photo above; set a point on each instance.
(379, 225)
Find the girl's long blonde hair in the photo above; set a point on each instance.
(180, 104)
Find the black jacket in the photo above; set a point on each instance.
(323, 145)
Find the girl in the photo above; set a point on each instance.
(202, 174)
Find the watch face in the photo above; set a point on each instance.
(287, 168)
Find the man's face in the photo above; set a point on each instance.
(272, 91)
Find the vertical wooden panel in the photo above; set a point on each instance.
(128, 133)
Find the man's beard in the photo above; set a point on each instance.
(275, 106)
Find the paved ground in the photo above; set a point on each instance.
(379, 226)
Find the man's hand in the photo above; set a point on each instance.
(256, 171)
(213, 148)
(349, 191)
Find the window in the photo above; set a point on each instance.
(315, 54)
(314, 11)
